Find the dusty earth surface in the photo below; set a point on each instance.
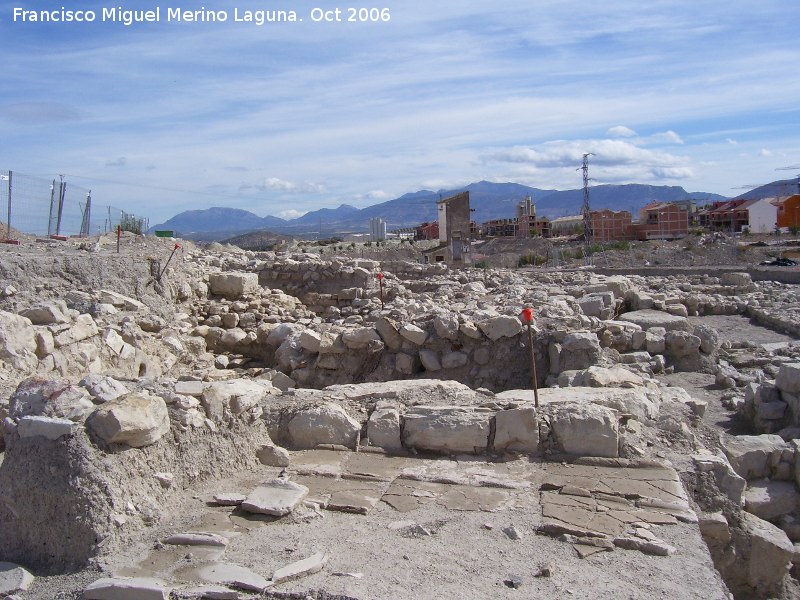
(447, 542)
(462, 552)
(444, 540)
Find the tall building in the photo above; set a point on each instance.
(377, 229)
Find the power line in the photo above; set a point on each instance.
(161, 188)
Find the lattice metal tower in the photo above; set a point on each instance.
(586, 209)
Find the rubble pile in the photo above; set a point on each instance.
(120, 393)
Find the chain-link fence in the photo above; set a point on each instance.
(48, 207)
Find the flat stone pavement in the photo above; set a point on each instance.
(375, 526)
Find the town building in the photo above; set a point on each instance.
(763, 215)
(455, 231)
(663, 220)
(612, 225)
(567, 225)
(789, 212)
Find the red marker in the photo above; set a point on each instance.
(527, 315)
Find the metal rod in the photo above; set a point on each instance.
(8, 222)
(119, 233)
(533, 367)
(174, 250)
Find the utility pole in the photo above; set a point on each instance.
(586, 208)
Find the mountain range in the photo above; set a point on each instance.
(488, 201)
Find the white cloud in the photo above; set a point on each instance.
(731, 141)
(764, 153)
(293, 187)
(290, 214)
(621, 131)
(669, 136)
(119, 162)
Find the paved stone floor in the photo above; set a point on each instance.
(593, 506)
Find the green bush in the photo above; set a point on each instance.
(131, 223)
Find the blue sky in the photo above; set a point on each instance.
(283, 118)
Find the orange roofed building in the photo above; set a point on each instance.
(789, 212)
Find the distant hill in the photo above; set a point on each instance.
(630, 197)
(258, 240)
(783, 187)
(488, 200)
(217, 219)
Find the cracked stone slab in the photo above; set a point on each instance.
(374, 466)
(603, 501)
(276, 497)
(328, 463)
(225, 574)
(134, 588)
(301, 568)
(346, 495)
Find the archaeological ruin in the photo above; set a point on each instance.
(240, 424)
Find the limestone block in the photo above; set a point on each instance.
(45, 344)
(388, 332)
(470, 330)
(728, 481)
(331, 343)
(356, 339)
(788, 379)
(647, 319)
(453, 360)
(709, 338)
(325, 424)
(430, 360)
(576, 341)
(446, 326)
(50, 428)
(586, 429)
(17, 341)
(310, 340)
(282, 332)
(273, 456)
(413, 334)
(654, 340)
(405, 363)
(14, 578)
(134, 419)
(591, 306)
(603, 377)
(189, 388)
(446, 429)
(233, 285)
(50, 398)
(222, 399)
(500, 326)
(83, 328)
(516, 429)
(714, 526)
(47, 313)
(383, 427)
(770, 500)
(119, 301)
(275, 497)
(771, 411)
(680, 344)
(770, 552)
(736, 279)
(750, 455)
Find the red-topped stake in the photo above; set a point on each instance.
(174, 250)
(527, 318)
